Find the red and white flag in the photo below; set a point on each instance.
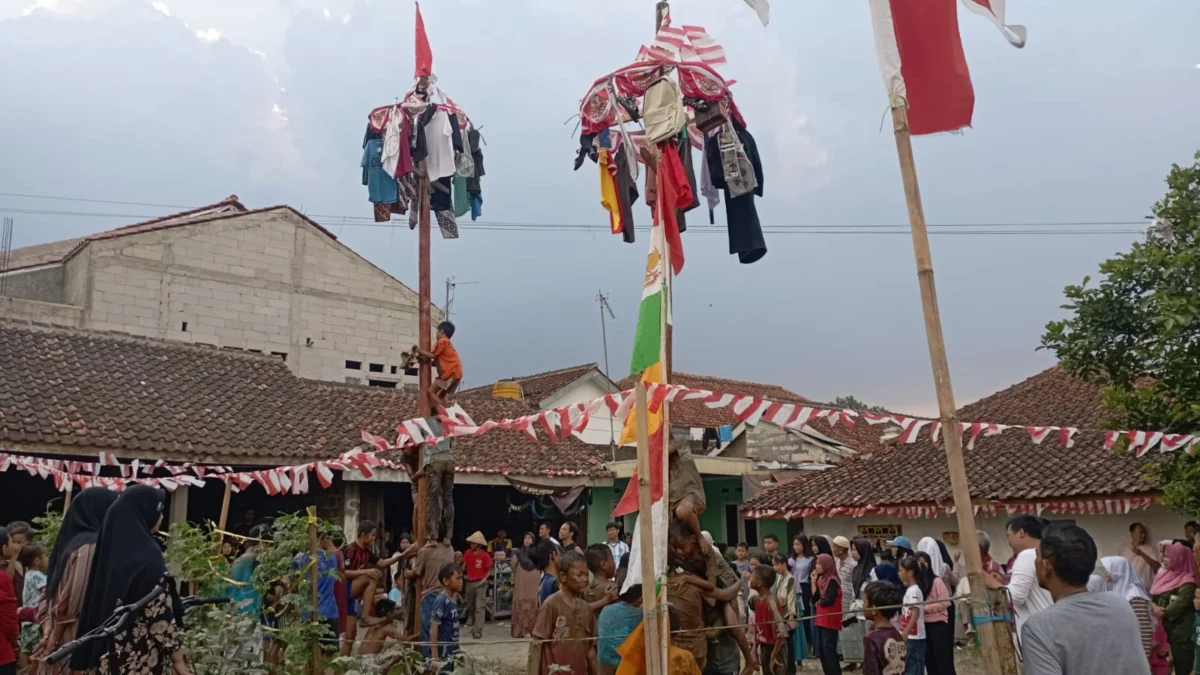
(922, 61)
(994, 11)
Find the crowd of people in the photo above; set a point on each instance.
(883, 606)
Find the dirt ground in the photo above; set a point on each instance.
(499, 654)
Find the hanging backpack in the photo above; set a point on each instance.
(739, 172)
(663, 114)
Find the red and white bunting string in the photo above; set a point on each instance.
(1076, 507)
(558, 423)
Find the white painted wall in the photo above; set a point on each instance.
(264, 281)
(598, 431)
(1110, 532)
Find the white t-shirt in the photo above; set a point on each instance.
(1027, 596)
(440, 140)
(915, 611)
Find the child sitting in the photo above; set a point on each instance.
(386, 615)
(883, 646)
(602, 591)
(449, 366)
(566, 623)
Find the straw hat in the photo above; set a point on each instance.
(477, 538)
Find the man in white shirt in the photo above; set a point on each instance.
(1028, 598)
(618, 547)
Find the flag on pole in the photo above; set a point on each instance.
(424, 59)
(923, 65)
(994, 11)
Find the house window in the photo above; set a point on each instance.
(382, 384)
(737, 528)
(376, 367)
(281, 355)
(353, 380)
(354, 365)
(393, 370)
(184, 329)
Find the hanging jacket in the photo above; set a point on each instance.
(741, 215)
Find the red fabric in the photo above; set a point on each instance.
(424, 53)
(764, 623)
(629, 500)
(831, 617)
(940, 95)
(673, 190)
(339, 592)
(8, 621)
(478, 564)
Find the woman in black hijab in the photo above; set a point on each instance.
(67, 573)
(128, 566)
(866, 564)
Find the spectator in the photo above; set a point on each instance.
(500, 542)
(1081, 633)
(479, 567)
(9, 645)
(618, 547)
(1028, 598)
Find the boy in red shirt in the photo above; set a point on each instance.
(449, 366)
(478, 565)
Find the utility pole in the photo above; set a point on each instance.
(604, 306)
(997, 645)
(451, 285)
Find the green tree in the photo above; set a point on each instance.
(852, 402)
(1136, 332)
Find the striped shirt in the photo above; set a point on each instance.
(1145, 616)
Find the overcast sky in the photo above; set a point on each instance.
(183, 102)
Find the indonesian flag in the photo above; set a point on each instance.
(922, 61)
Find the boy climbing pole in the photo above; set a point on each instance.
(449, 366)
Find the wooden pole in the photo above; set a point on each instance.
(655, 665)
(67, 498)
(425, 374)
(312, 557)
(995, 640)
(224, 520)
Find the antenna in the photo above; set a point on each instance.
(605, 307)
(451, 285)
(6, 233)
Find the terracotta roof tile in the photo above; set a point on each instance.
(150, 398)
(1005, 467)
(540, 386)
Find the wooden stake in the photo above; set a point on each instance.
(650, 614)
(217, 536)
(312, 556)
(67, 498)
(995, 639)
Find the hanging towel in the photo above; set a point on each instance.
(608, 191)
(476, 206)
(462, 200)
(725, 433)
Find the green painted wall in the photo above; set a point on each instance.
(719, 491)
(777, 527)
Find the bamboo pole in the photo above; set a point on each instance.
(995, 640)
(67, 497)
(425, 374)
(650, 614)
(224, 519)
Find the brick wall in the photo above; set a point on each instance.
(268, 282)
(768, 442)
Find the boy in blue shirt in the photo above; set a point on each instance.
(616, 623)
(440, 628)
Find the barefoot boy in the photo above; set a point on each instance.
(449, 366)
(602, 591)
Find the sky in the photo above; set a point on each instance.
(184, 102)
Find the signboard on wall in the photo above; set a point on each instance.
(883, 532)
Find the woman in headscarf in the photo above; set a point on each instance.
(821, 545)
(828, 624)
(67, 575)
(526, 579)
(1173, 594)
(1127, 584)
(128, 566)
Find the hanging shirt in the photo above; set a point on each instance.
(439, 138)
(608, 191)
(674, 191)
(396, 158)
(381, 187)
(741, 214)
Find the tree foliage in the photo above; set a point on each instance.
(1137, 332)
(852, 402)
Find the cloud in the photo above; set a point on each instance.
(209, 35)
(161, 8)
(326, 11)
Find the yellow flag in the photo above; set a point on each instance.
(629, 431)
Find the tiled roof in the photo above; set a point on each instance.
(540, 386)
(148, 398)
(1005, 467)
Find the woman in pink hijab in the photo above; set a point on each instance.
(1173, 594)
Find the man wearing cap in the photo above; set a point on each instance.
(845, 570)
(478, 566)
